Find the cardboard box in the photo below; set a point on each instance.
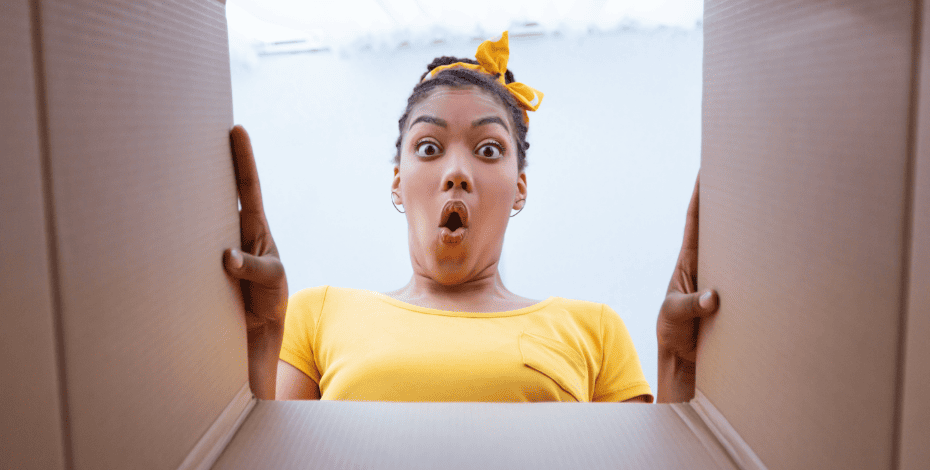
(30, 435)
(123, 339)
(812, 230)
(123, 344)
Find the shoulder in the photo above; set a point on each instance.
(576, 305)
(315, 297)
(581, 308)
(308, 296)
(579, 312)
(595, 314)
(305, 308)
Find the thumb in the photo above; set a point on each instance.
(264, 270)
(680, 307)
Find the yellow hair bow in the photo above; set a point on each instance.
(492, 56)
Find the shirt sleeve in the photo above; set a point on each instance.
(621, 376)
(300, 330)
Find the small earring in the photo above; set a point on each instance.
(395, 205)
(521, 209)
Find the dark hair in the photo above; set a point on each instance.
(460, 77)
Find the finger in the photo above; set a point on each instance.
(691, 220)
(679, 307)
(264, 270)
(684, 279)
(250, 193)
(690, 356)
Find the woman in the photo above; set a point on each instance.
(454, 332)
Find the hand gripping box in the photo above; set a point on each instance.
(123, 344)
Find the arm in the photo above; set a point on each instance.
(679, 317)
(264, 346)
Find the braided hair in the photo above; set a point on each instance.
(459, 77)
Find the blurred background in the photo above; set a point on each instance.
(615, 146)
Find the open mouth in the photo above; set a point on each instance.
(454, 222)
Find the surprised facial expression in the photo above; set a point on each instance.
(458, 182)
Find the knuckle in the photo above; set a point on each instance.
(661, 335)
(663, 310)
(665, 334)
(276, 269)
(673, 309)
(249, 266)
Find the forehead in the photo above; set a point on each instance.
(460, 105)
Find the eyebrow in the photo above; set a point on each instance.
(478, 122)
(489, 120)
(431, 120)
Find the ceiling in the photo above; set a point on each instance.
(320, 25)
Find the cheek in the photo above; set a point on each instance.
(498, 191)
(418, 183)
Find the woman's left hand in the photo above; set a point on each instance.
(679, 317)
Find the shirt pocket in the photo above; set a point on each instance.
(556, 360)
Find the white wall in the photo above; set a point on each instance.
(615, 150)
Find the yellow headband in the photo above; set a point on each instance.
(492, 56)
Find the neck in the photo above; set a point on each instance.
(483, 292)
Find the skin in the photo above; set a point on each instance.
(680, 315)
(462, 126)
(473, 159)
(258, 268)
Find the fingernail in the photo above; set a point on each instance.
(705, 300)
(236, 257)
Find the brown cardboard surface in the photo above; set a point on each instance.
(702, 428)
(214, 441)
(139, 110)
(915, 411)
(727, 437)
(31, 434)
(803, 188)
(328, 434)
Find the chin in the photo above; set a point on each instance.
(451, 271)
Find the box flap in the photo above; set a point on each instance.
(139, 111)
(329, 434)
(31, 435)
(915, 411)
(806, 119)
(705, 415)
(215, 440)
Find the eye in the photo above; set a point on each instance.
(428, 149)
(490, 150)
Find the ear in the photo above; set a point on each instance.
(520, 198)
(395, 186)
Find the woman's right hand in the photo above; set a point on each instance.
(679, 317)
(259, 270)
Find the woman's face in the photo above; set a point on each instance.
(458, 161)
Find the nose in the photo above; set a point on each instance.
(458, 173)
(453, 182)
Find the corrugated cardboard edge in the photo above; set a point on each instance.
(214, 441)
(913, 400)
(732, 443)
(703, 433)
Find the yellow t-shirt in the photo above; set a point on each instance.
(362, 345)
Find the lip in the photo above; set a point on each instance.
(452, 238)
(454, 206)
(447, 236)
